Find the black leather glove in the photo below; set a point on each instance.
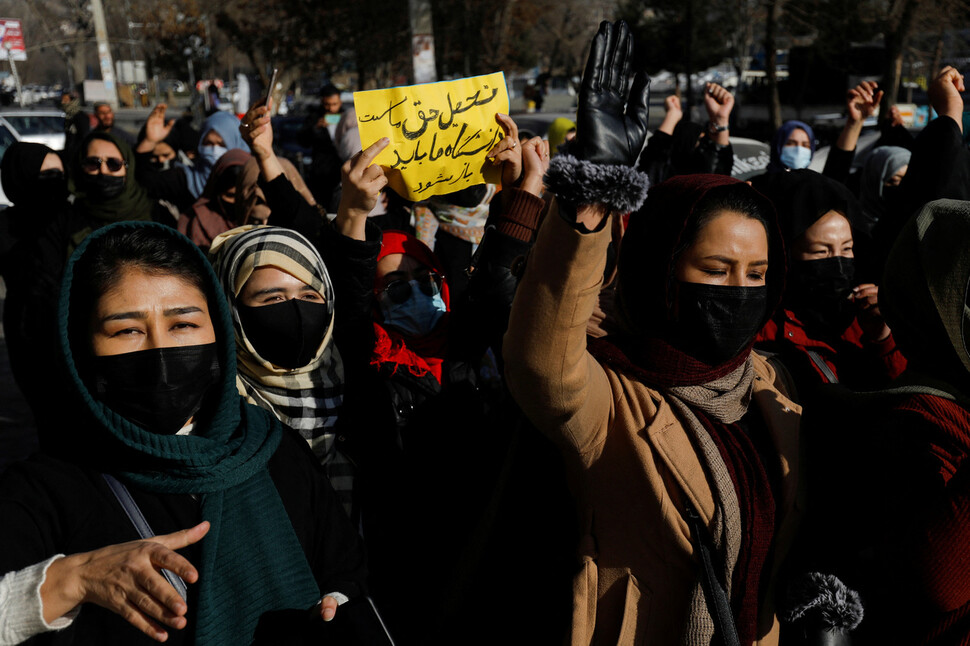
(605, 134)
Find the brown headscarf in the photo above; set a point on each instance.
(207, 219)
(251, 207)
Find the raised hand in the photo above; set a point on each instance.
(156, 129)
(672, 106)
(945, 92)
(719, 103)
(507, 153)
(611, 123)
(361, 182)
(257, 130)
(126, 579)
(862, 101)
(673, 113)
(535, 161)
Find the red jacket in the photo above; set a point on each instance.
(853, 360)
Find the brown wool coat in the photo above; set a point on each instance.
(631, 461)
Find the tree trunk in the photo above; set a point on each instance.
(937, 56)
(900, 21)
(771, 63)
(689, 58)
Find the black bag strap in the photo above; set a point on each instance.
(144, 530)
(725, 632)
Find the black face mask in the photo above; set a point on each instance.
(891, 194)
(104, 187)
(818, 292)
(51, 187)
(286, 334)
(715, 322)
(158, 389)
(162, 165)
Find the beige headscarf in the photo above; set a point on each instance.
(306, 398)
(251, 204)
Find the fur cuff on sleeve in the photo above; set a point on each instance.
(622, 188)
(824, 601)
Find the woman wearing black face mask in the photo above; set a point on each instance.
(33, 179)
(282, 304)
(830, 328)
(673, 418)
(148, 345)
(102, 178)
(214, 212)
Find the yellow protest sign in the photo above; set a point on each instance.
(439, 133)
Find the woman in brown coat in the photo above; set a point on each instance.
(674, 417)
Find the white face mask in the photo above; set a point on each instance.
(796, 157)
(212, 153)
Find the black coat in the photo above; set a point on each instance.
(429, 453)
(51, 506)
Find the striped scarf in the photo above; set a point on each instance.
(308, 398)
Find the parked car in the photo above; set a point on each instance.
(36, 126)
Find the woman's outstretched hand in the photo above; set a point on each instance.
(126, 579)
(156, 129)
(362, 181)
(507, 153)
(614, 102)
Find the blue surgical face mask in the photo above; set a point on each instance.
(796, 157)
(212, 153)
(415, 317)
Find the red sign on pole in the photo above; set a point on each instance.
(12, 40)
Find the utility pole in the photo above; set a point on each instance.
(422, 41)
(16, 78)
(104, 53)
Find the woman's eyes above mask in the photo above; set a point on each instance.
(309, 296)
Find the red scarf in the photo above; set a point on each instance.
(419, 355)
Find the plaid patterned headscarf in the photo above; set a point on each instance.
(307, 399)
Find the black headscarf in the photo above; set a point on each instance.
(803, 196)
(20, 169)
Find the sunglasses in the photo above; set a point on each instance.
(399, 291)
(93, 164)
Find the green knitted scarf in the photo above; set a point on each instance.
(251, 559)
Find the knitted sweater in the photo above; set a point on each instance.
(941, 563)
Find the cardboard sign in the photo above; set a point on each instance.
(439, 133)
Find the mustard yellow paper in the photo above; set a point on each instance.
(439, 132)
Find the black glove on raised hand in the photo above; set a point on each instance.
(605, 133)
(597, 167)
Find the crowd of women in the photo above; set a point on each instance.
(622, 398)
